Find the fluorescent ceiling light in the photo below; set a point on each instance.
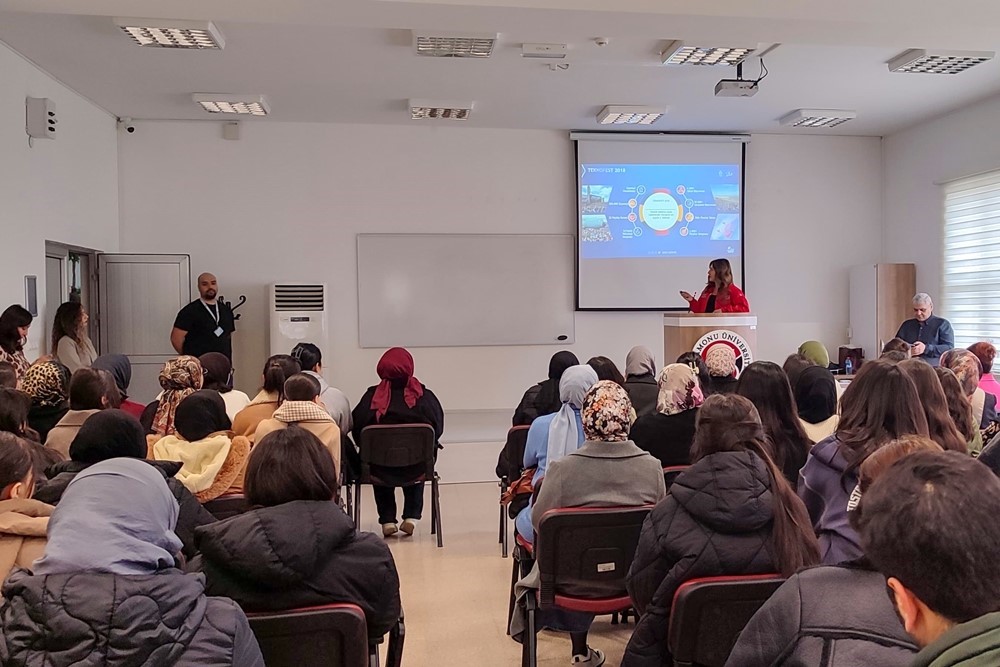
(630, 115)
(681, 53)
(423, 109)
(172, 34)
(922, 61)
(817, 118)
(247, 105)
(547, 51)
(454, 44)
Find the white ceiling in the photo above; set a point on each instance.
(351, 60)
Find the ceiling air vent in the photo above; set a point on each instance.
(454, 44)
(922, 61)
(299, 297)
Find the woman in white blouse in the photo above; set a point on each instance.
(70, 342)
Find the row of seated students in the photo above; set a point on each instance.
(777, 471)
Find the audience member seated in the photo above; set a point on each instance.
(112, 434)
(731, 512)
(929, 524)
(23, 521)
(894, 357)
(880, 405)
(607, 370)
(260, 559)
(302, 408)
(120, 368)
(334, 401)
(180, 377)
(697, 364)
(897, 345)
(88, 395)
(794, 365)
(399, 398)
(107, 591)
(8, 375)
(721, 362)
(834, 615)
(985, 352)
(941, 427)
(668, 433)
(278, 368)
(816, 353)
(217, 371)
(969, 372)
(960, 409)
(607, 471)
(14, 408)
(47, 383)
(213, 459)
(816, 402)
(14, 324)
(640, 380)
(543, 398)
(70, 339)
(553, 436)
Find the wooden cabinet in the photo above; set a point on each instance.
(881, 299)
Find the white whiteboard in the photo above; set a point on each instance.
(438, 290)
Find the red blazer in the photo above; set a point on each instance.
(730, 300)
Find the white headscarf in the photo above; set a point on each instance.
(564, 433)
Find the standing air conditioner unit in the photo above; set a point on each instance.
(298, 315)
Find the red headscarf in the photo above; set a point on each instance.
(395, 364)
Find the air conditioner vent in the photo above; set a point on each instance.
(299, 297)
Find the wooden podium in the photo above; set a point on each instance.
(685, 332)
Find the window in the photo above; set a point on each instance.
(971, 267)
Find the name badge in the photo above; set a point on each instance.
(219, 331)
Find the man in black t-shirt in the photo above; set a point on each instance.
(206, 324)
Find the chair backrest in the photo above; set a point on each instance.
(227, 506)
(586, 552)
(670, 473)
(332, 635)
(708, 615)
(397, 446)
(513, 451)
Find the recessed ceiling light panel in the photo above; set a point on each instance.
(681, 53)
(922, 61)
(630, 115)
(425, 109)
(172, 34)
(817, 118)
(454, 44)
(244, 105)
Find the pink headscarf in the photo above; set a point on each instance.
(395, 364)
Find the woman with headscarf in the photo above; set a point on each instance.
(816, 352)
(543, 398)
(553, 436)
(668, 433)
(47, 384)
(111, 434)
(109, 572)
(278, 368)
(399, 398)
(640, 380)
(969, 371)
(180, 377)
(607, 471)
(213, 459)
(721, 362)
(816, 400)
(120, 368)
(218, 372)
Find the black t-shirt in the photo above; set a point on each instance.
(198, 319)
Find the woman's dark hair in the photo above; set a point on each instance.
(765, 385)
(730, 423)
(308, 355)
(8, 375)
(694, 360)
(217, 372)
(287, 465)
(87, 388)
(894, 356)
(897, 345)
(14, 408)
(15, 459)
(985, 352)
(548, 395)
(793, 367)
(723, 273)
(279, 368)
(301, 387)
(606, 370)
(941, 428)
(67, 321)
(959, 406)
(15, 316)
(880, 404)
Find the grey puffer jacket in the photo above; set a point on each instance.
(92, 618)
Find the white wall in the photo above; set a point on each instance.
(917, 160)
(63, 190)
(286, 201)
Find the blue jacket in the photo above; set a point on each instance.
(935, 333)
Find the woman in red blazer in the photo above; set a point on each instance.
(720, 295)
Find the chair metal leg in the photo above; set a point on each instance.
(436, 499)
(503, 531)
(357, 505)
(373, 659)
(349, 495)
(433, 507)
(529, 655)
(514, 572)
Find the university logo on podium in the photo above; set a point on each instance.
(730, 339)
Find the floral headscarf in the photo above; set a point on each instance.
(679, 389)
(47, 383)
(721, 361)
(179, 378)
(606, 412)
(966, 366)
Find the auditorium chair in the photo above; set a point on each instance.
(513, 456)
(227, 505)
(670, 473)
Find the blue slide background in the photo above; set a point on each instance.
(711, 193)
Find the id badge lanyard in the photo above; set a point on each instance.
(215, 316)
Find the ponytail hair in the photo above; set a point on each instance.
(279, 368)
(730, 423)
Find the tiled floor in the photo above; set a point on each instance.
(455, 598)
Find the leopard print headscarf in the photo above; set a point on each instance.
(47, 383)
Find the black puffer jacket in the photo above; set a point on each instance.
(90, 618)
(833, 616)
(299, 554)
(715, 520)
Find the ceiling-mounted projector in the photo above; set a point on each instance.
(736, 88)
